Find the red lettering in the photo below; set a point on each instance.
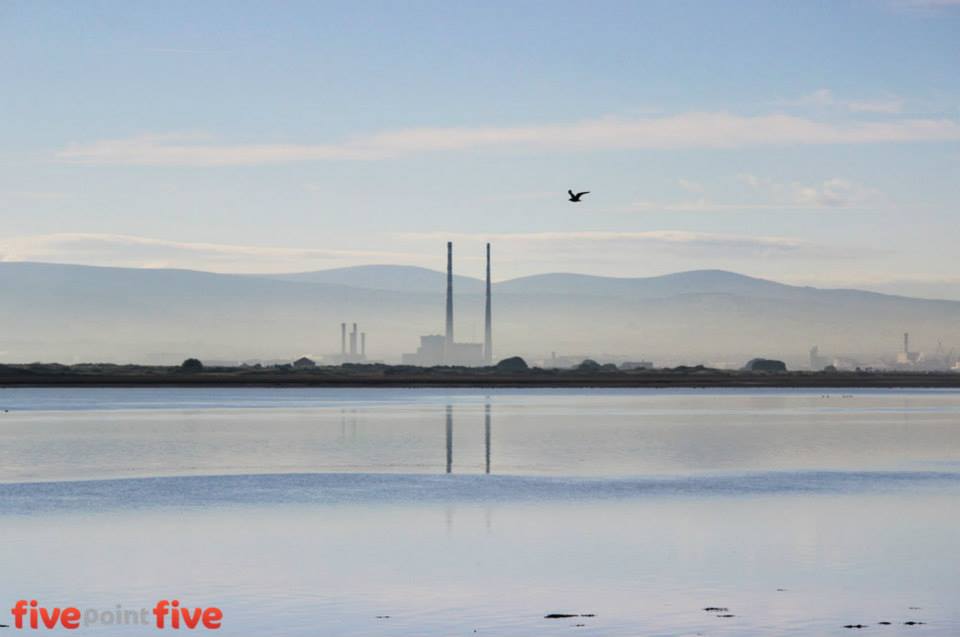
(19, 610)
(212, 618)
(32, 614)
(49, 618)
(160, 610)
(191, 620)
(70, 618)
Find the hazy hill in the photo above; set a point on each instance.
(401, 278)
(694, 282)
(78, 313)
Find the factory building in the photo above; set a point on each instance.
(436, 349)
(817, 360)
(906, 357)
(358, 346)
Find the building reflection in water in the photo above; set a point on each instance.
(486, 438)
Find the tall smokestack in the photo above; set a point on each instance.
(488, 320)
(343, 339)
(449, 292)
(353, 341)
(363, 344)
(906, 342)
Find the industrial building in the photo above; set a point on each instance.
(940, 360)
(906, 357)
(436, 349)
(817, 360)
(358, 346)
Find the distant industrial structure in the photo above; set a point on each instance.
(436, 349)
(817, 360)
(940, 360)
(355, 354)
(906, 357)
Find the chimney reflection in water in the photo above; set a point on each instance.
(486, 437)
(449, 438)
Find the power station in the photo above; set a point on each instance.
(436, 349)
(358, 346)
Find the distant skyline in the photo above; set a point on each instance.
(810, 143)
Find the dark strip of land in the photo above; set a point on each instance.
(43, 375)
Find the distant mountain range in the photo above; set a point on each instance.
(74, 313)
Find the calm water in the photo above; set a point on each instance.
(320, 512)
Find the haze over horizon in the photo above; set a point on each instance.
(947, 289)
(813, 144)
(71, 314)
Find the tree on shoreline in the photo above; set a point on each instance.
(192, 365)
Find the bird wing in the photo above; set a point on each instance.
(571, 193)
(580, 194)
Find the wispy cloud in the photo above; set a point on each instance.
(766, 194)
(517, 252)
(134, 251)
(835, 192)
(690, 185)
(590, 238)
(718, 130)
(824, 97)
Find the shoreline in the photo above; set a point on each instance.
(385, 376)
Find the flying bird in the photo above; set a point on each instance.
(575, 197)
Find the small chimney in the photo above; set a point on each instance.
(363, 344)
(353, 341)
(906, 342)
(343, 340)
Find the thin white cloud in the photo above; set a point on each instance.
(518, 253)
(825, 98)
(832, 193)
(690, 185)
(691, 130)
(590, 238)
(765, 194)
(890, 105)
(820, 97)
(133, 251)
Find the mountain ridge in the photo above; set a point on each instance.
(70, 313)
(352, 277)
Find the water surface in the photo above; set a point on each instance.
(316, 511)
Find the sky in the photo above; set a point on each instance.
(811, 142)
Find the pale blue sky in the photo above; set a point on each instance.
(814, 142)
